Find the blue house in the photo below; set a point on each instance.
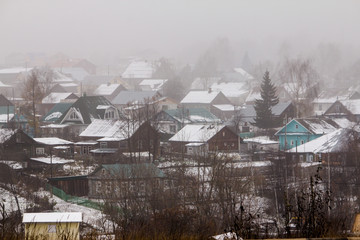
(300, 131)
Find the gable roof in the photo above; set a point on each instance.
(139, 69)
(129, 97)
(52, 217)
(52, 141)
(316, 126)
(87, 106)
(352, 105)
(200, 97)
(231, 89)
(6, 134)
(56, 112)
(106, 89)
(197, 133)
(336, 141)
(136, 170)
(248, 113)
(193, 115)
(153, 84)
(4, 101)
(56, 97)
(115, 129)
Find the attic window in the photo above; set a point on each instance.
(73, 115)
(18, 138)
(296, 126)
(110, 115)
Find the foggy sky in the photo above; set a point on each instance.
(85, 28)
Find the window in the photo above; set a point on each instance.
(51, 228)
(190, 148)
(302, 141)
(18, 137)
(110, 114)
(103, 144)
(301, 157)
(85, 150)
(296, 126)
(172, 128)
(292, 142)
(337, 108)
(73, 116)
(165, 107)
(40, 151)
(223, 134)
(311, 158)
(123, 144)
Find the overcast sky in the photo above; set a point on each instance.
(85, 28)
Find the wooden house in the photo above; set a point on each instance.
(82, 112)
(331, 148)
(344, 108)
(16, 145)
(52, 225)
(54, 146)
(109, 90)
(203, 99)
(72, 185)
(52, 99)
(300, 131)
(123, 181)
(171, 121)
(215, 137)
(122, 136)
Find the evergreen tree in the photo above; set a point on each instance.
(264, 116)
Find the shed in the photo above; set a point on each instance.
(52, 225)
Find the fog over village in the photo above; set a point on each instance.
(166, 119)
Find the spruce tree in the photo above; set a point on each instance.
(264, 116)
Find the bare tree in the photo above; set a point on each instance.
(300, 79)
(36, 85)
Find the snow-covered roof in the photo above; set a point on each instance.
(139, 69)
(114, 129)
(244, 73)
(86, 143)
(55, 126)
(335, 141)
(226, 107)
(197, 133)
(231, 89)
(14, 70)
(352, 105)
(261, 140)
(4, 85)
(318, 126)
(68, 84)
(106, 89)
(52, 141)
(5, 134)
(5, 117)
(253, 95)
(52, 217)
(52, 160)
(194, 144)
(153, 84)
(55, 97)
(200, 97)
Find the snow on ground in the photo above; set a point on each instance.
(91, 216)
(8, 199)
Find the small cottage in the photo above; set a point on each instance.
(52, 225)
